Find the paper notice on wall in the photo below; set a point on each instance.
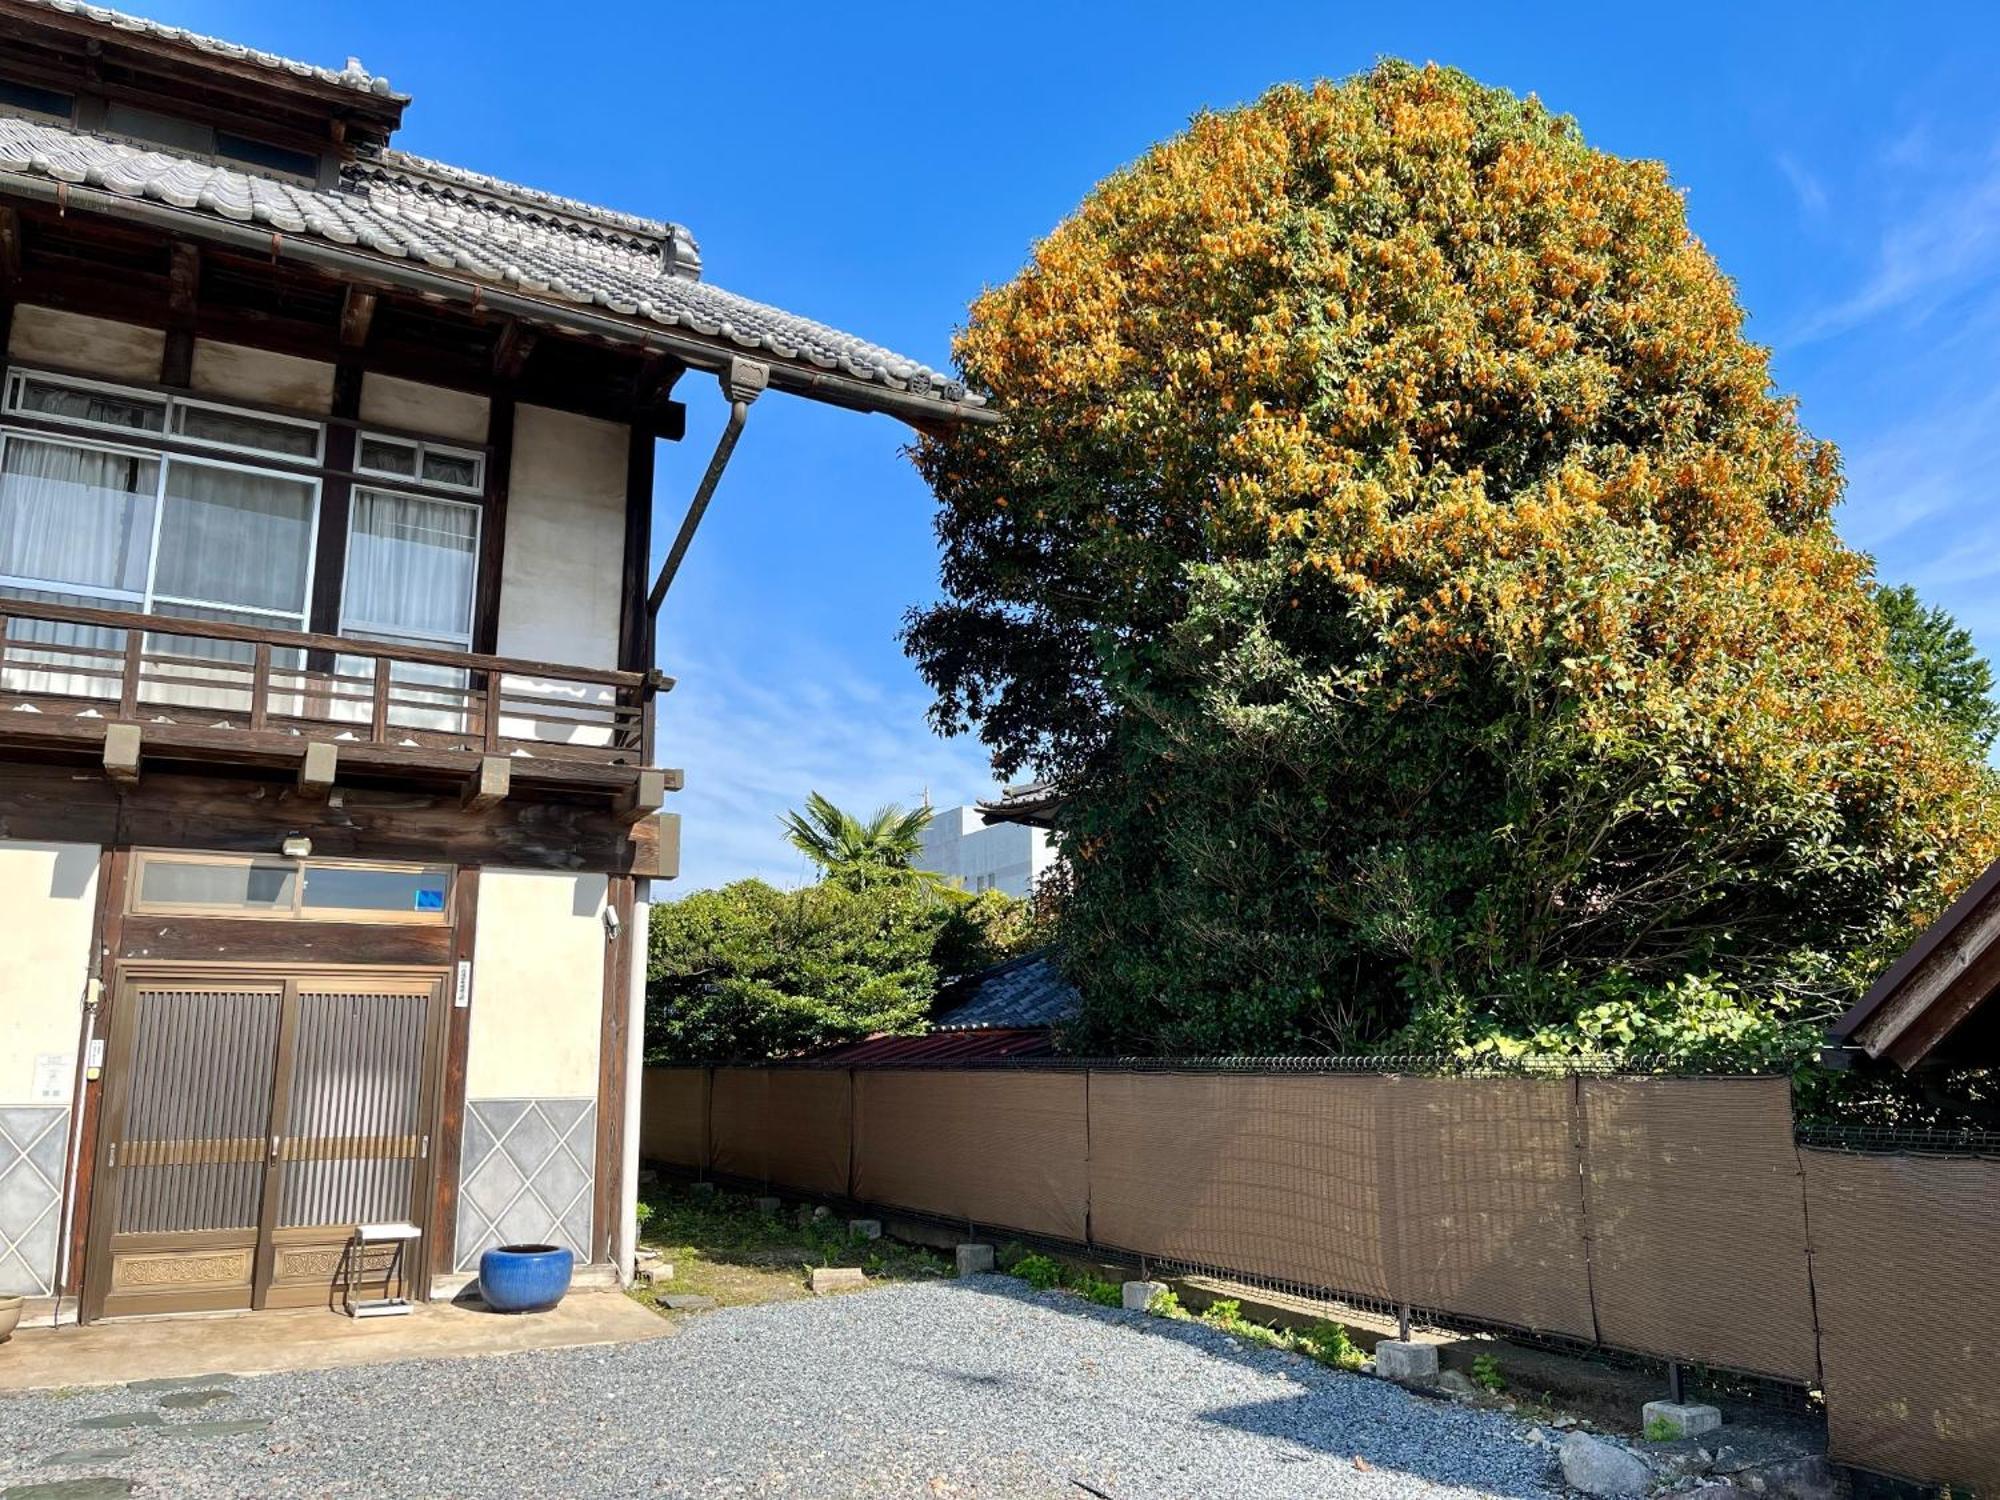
(53, 1072)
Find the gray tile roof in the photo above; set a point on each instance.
(554, 250)
(353, 76)
(1025, 991)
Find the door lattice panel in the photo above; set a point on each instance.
(192, 1154)
(354, 1122)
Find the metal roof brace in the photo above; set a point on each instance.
(742, 382)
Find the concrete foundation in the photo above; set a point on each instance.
(1686, 1418)
(973, 1260)
(1139, 1295)
(864, 1229)
(1412, 1363)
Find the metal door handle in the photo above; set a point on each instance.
(274, 1148)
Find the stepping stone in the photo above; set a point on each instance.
(187, 1400)
(215, 1429)
(70, 1489)
(177, 1383)
(118, 1419)
(77, 1456)
(687, 1302)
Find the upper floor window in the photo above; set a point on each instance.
(87, 403)
(430, 463)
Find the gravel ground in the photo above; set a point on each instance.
(971, 1388)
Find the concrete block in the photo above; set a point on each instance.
(864, 1229)
(655, 1272)
(837, 1279)
(687, 1302)
(1412, 1363)
(974, 1260)
(768, 1207)
(1686, 1418)
(1139, 1295)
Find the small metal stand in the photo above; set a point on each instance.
(402, 1236)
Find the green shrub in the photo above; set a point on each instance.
(1330, 1344)
(1039, 1271)
(1662, 1430)
(1165, 1303)
(1103, 1293)
(1486, 1373)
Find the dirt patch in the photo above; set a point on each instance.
(721, 1246)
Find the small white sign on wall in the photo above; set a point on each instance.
(464, 996)
(53, 1072)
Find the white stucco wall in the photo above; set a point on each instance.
(388, 401)
(90, 346)
(565, 539)
(233, 372)
(537, 986)
(48, 899)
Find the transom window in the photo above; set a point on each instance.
(231, 885)
(88, 403)
(432, 463)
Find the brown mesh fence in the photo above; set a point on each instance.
(785, 1126)
(1697, 1217)
(1270, 1176)
(673, 1117)
(1486, 1202)
(1904, 1251)
(1002, 1149)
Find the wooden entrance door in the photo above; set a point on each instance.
(250, 1124)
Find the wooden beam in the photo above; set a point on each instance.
(10, 245)
(316, 771)
(357, 312)
(488, 784)
(121, 753)
(512, 348)
(439, 1251)
(183, 299)
(667, 848)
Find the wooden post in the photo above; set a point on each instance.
(378, 712)
(492, 712)
(128, 682)
(260, 685)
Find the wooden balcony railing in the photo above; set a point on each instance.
(88, 663)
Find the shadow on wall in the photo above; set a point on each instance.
(72, 870)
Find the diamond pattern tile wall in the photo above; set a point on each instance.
(32, 1142)
(525, 1175)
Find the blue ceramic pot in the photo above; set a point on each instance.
(524, 1278)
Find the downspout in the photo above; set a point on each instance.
(743, 382)
(625, 1244)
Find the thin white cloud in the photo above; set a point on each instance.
(1806, 187)
(755, 739)
(1935, 249)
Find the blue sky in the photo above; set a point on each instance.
(874, 166)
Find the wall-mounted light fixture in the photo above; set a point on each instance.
(296, 846)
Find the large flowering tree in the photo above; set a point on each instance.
(1399, 552)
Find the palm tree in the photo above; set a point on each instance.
(855, 853)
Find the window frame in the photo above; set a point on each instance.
(298, 911)
(385, 635)
(149, 596)
(423, 448)
(170, 404)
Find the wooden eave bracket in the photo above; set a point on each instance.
(647, 794)
(121, 753)
(488, 784)
(316, 771)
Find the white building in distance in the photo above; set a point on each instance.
(977, 856)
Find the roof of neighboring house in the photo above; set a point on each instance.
(1935, 1003)
(353, 76)
(1025, 991)
(1033, 803)
(982, 1044)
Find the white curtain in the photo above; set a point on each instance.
(410, 567)
(76, 516)
(231, 537)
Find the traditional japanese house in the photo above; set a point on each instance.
(329, 795)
